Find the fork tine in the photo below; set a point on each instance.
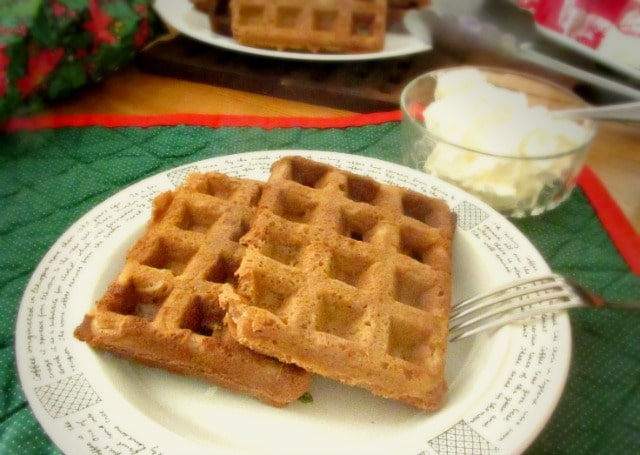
(492, 298)
(503, 306)
(514, 288)
(481, 326)
(509, 313)
(516, 301)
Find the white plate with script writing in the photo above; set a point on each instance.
(503, 386)
(183, 17)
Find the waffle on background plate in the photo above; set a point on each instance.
(162, 309)
(218, 12)
(335, 26)
(348, 278)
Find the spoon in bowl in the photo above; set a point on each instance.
(629, 112)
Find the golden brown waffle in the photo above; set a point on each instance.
(348, 278)
(204, 6)
(314, 25)
(218, 13)
(162, 309)
(398, 8)
(220, 17)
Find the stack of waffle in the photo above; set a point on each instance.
(337, 26)
(256, 286)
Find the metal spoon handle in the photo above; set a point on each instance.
(623, 112)
(525, 51)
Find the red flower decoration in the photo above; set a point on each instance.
(142, 34)
(20, 30)
(99, 25)
(39, 67)
(4, 63)
(58, 9)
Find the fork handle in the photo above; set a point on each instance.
(630, 305)
(597, 301)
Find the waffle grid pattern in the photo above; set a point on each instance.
(348, 278)
(163, 307)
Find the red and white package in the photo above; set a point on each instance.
(609, 27)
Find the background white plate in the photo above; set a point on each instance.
(503, 385)
(181, 15)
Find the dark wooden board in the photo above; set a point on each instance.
(359, 86)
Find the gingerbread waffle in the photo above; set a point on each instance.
(204, 6)
(162, 309)
(218, 14)
(348, 278)
(341, 26)
(398, 8)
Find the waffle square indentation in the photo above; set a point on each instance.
(358, 226)
(410, 287)
(294, 207)
(197, 218)
(362, 189)
(324, 21)
(172, 255)
(308, 174)
(416, 243)
(223, 270)
(141, 297)
(251, 15)
(339, 317)
(287, 16)
(202, 316)
(407, 341)
(348, 268)
(271, 292)
(362, 24)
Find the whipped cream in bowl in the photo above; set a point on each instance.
(493, 132)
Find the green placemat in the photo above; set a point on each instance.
(51, 177)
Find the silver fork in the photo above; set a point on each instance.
(521, 300)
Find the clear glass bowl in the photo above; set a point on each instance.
(517, 186)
